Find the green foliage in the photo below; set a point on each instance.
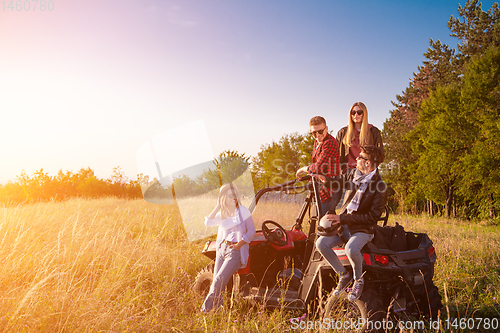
(478, 29)
(480, 96)
(440, 67)
(279, 161)
(441, 141)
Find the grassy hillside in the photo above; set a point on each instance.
(114, 265)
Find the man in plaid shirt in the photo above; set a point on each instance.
(325, 161)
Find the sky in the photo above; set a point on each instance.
(91, 83)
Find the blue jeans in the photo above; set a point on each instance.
(331, 203)
(352, 248)
(227, 262)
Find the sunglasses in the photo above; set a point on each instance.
(362, 158)
(359, 112)
(320, 132)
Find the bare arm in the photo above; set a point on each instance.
(210, 219)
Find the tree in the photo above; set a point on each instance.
(118, 182)
(39, 187)
(475, 29)
(184, 187)
(93, 187)
(439, 69)
(448, 116)
(229, 166)
(441, 142)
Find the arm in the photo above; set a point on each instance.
(342, 148)
(338, 182)
(213, 219)
(249, 226)
(301, 172)
(369, 211)
(340, 136)
(377, 138)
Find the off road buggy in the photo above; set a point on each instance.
(286, 270)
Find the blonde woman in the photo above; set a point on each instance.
(357, 133)
(236, 231)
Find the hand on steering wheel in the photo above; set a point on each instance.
(276, 236)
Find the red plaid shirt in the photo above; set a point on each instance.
(326, 161)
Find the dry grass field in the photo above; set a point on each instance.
(112, 265)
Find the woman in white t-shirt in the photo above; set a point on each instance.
(358, 133)
(236, 231)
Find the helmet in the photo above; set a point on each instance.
(325, 227)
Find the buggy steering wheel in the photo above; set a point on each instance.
(276, 236)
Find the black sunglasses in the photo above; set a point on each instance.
(362, 158)
(359, 112)
(320, 132)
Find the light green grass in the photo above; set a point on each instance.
(114, 265)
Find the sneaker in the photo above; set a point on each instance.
(356, 291)
(344, 281)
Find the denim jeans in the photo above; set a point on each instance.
(352, 248)
(227, 262)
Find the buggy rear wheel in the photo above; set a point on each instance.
(430, 303)
(204, 280)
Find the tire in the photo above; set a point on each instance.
(430, 303)
(204, 280)
(367, 308)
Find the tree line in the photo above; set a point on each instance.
(41, 186)
(65, 185)
(201, 179)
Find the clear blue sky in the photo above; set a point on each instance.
(89, 82)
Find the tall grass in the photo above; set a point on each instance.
(95, 265)
(114, 265)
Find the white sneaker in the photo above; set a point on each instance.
(357, 290)
(344, 281)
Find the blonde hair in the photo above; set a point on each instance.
(351, 128)
(225, 190)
